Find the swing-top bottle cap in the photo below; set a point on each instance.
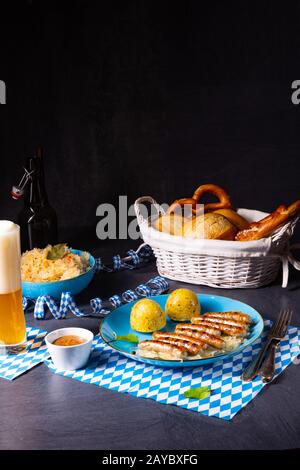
(17, 192)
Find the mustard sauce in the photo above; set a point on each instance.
(69, 340)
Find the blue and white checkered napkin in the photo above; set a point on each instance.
(108, 369)
(155, 286)
(11, 366)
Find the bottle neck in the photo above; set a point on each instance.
(36, 192)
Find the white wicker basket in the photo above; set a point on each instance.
(218, 263)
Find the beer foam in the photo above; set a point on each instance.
(6, 226)
(10, 256)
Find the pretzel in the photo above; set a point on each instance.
(181, 202)
(224, 199)
(220, 193)
(264, 227)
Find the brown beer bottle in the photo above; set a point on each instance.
(37, 220)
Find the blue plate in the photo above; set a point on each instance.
(74, 285)
(117, 323)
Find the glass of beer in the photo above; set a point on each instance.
(12, 318)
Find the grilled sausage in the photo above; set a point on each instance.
(214, 321)
(236, 318)
(192, 347)
(225, 322)
(199, 327)
(227, 329)
(177, 335)
(212, 340)
(177, 352)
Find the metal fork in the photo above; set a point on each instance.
(275, 334)
(267, 370)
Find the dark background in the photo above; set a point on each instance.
(145, 97)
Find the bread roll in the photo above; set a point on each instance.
(210, 226)
(170, 223)
(234, 218)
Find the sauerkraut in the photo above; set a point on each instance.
(37, 267)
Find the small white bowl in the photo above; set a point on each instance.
(70, 357)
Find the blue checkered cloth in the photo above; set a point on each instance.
(155, 286)
(133, 260)
(230, 394)
(11, 366)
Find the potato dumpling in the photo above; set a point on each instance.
(182, 305)
(147, 316)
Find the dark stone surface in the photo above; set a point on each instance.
(41, 410)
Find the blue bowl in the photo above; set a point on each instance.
(74, 285)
